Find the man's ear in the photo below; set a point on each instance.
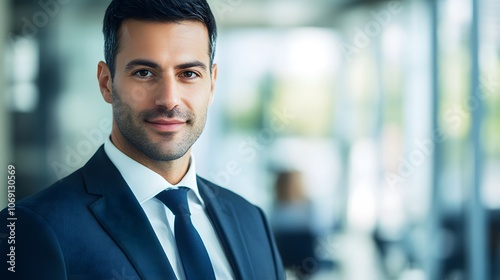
(214, 80)
(105, 81)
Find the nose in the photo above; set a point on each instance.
(168, 95)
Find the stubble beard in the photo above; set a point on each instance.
(137, 136)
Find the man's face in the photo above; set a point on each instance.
(161, 89)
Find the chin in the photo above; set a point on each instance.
(169, 155)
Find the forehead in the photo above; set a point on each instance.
(163, 40)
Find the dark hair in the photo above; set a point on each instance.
(158, 11)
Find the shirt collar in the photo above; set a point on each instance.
(144, 182)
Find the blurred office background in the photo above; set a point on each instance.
(368, 131)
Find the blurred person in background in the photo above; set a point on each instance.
(296, 225)
(293, 210)
(137, 209)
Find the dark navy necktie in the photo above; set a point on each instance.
(194, 255)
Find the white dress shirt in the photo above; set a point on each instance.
(146, 184)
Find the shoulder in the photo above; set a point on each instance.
(65, 197)
(71, 191)
(57, 191)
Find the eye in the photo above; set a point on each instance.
(143, 73)
(189, 75)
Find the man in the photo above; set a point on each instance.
(137, 210)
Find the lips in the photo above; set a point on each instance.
(166, 125)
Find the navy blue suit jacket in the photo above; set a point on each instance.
(89, 225)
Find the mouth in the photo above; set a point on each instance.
(166, 125)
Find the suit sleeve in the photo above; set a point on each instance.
(278, 264)
(29, 248)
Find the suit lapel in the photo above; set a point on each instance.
(226, 224)
(124, 219)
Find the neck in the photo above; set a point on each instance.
(173, 171)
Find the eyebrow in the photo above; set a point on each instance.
(192, 64)
(154, 65)
(142, 62)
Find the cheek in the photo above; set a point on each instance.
(201, 104)
(197, 97)
(137, 95)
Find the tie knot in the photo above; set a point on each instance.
(175, 200)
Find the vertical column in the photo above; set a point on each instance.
(434, 262)
(476, 216)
